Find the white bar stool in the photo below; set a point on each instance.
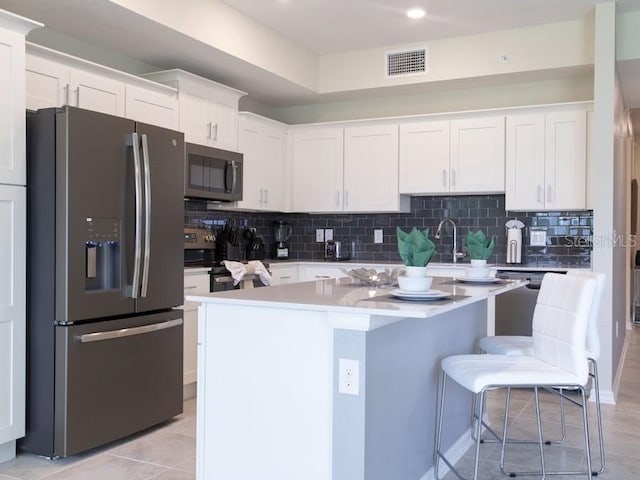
(559, 360)
(523, 345)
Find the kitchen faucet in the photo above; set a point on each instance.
(456, 255)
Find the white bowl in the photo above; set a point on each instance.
(414, 284)
(476, 272)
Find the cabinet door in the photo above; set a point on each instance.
(249, 146)
(477, 155)
(97, 93)
(371, 168)
(317, 170)
(13, 168)
(224, 126)
(272, 168)
(424, 158)
(195, 119)
(148, 106)
(194, 284)
(47, 83)
(12, 311)
(566, 160)
(525, 184)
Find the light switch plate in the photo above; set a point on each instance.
(319, 235)
(328, 234)
(378, 235)
(537, 238)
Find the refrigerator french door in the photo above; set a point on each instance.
(105, 221)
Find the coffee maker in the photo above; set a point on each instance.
(281, 234)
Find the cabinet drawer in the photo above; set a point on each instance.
(195, 284)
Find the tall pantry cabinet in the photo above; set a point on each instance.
(13, 211)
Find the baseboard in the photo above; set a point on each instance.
(7, 451)
(453, 454)
(618, 376)
(189, 390)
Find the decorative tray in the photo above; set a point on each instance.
(371, 277)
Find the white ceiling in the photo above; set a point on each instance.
(320, 25)
(329, 26)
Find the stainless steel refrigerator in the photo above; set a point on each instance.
(105, 269)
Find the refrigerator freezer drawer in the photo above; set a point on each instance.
(115, 378)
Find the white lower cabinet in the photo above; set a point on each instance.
(283, 274)
(12, 313)
(196, 281)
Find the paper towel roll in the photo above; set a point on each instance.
(514, 245)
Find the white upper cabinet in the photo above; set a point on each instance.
(371, 168)
(154, 106)
(54, 79)
(96, 92)
(12, 98)
(456, 156)
(350, 169)
(262, 143)
(208, 111)
(318, 157)
(424, 157)
(546, 161)
(477, 155)
(47, 83)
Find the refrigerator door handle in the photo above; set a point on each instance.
(147, 216)
(127, 332)
(135, 284)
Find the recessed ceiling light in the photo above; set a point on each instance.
(416, 13)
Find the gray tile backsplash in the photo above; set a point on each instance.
(568, 232)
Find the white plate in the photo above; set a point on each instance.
(427, 295)
(480, 279)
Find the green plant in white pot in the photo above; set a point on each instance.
(416, 250)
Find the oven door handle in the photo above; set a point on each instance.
(127, 332)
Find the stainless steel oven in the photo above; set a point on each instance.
(212, 174)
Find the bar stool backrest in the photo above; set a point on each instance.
(593, 337)
(560, 322)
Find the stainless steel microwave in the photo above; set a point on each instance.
(212, 174)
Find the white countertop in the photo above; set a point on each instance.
(344, 295)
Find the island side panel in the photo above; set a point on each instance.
(393, 418)
(264, 394)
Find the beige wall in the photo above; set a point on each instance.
(452, 100)
(531, 49)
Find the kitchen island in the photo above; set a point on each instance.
(330, 379)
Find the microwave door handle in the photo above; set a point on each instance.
(234, 175)
(135, 284)
(147, 216)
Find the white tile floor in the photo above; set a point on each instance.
(168, 452)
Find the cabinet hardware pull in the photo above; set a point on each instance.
(260, 196)
(209, 128)
(266, 195)
(191, 287)
(285, 277)
(453, 178)
(549, 194)
(444, 177)
(346, 198)
(215, 131)
(538, 193)
(337, 198)
(323, 276)
(66, 95)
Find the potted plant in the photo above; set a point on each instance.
(416, 250)
(479, 247)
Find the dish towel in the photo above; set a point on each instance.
(255, 267)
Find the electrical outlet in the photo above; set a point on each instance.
(319, 235)
(537, 237)
(378, 235)
(348, 376)
(328, 234)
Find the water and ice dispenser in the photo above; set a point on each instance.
(102, 248)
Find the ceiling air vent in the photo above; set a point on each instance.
(407, 62)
